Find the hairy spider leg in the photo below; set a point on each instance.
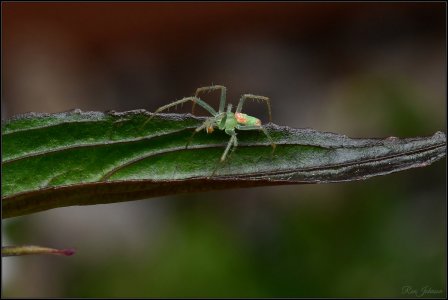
(235, 145)
(242, 127)
(233, 140)
(183, 100)
(222, 101)
(254, 97)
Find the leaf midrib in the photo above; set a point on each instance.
(149, 137)
(93, 145)
(61, 187)
(247, 175)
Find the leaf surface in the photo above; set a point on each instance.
(83, 158)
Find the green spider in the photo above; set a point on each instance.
(224, 120)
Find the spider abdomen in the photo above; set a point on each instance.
(244, 119)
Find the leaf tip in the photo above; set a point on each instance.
(65, 252)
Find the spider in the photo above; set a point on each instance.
(224, 120)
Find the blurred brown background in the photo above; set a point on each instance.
(360, 69)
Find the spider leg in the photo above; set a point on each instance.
(229, 144)
(254, 97)
(222, 101)
(235, 145)
(273, 145)
(186, 99)
(233, 140)
(203, 126)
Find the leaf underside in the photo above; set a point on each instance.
(83, 158)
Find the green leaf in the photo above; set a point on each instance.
(83, 158)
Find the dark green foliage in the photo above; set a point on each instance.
(83, 158)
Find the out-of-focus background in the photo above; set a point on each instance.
(360, 69)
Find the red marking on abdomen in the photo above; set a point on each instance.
(240, 118)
